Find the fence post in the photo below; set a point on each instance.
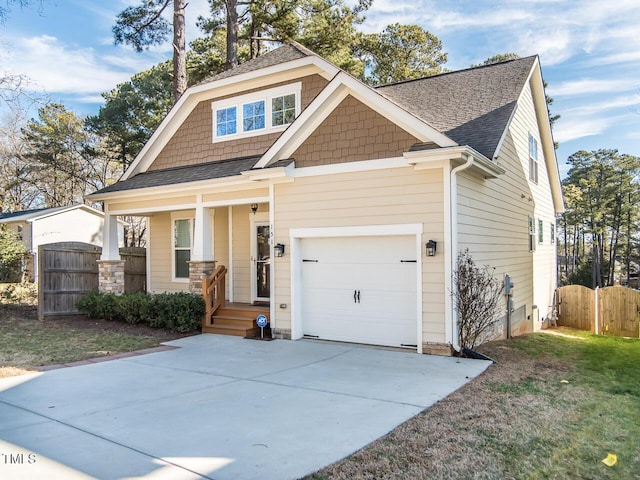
(596, 313)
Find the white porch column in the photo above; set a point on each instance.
(202, 241)
(110, 238)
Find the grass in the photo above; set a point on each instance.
(553, 407)
(27, 343)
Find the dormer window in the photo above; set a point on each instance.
(263, 112)
(226, 121)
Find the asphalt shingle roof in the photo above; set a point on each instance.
(25, 215)
(286, 53)
(472, 107)
(189, 173)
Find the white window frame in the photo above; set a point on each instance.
(174, 218)
(540, 231)
(534, 156)
(264, 95)
(532, 233)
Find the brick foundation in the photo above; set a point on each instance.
(198, 270)
(111, 276)
(443, 349)
(281, 333)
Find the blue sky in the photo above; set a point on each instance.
(589, 51)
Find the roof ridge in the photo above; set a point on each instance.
(454, 72)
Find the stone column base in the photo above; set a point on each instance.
(198, 270)
(111, 276)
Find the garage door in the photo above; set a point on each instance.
(360, 289)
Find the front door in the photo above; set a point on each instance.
(261, 261)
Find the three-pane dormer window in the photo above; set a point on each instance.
(256, 113)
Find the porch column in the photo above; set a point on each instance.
(202, 263)
(202, 241)
(110, 266)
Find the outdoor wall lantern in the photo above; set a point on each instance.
(279, 249)
(431, 248)
(254, 208)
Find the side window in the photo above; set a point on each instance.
(540, 232)
(19, 233)
(182, 239)
(533, 159)
(552, 229)
(532, 233)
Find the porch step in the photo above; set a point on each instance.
(236, 319)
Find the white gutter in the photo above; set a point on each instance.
(453, 211)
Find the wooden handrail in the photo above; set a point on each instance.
(213, 292)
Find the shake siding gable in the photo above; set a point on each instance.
(193, 141)
(353, 132)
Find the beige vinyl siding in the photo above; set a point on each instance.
(544, 258)
(381, 197)
(160, 256)
(151, 203)
(221, 239)
(493, 215)
(242, 253)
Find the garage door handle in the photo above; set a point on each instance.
(358, 296)
(355, 296)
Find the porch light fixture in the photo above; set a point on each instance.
(254, 208)
(279, 249)
(431, 248)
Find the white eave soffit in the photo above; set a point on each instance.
(325, 103)
(424, 159)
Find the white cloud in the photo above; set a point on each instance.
(573, 127)
(586, 86)
(57, 67)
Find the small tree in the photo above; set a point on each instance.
(476, 294)
(12, 252)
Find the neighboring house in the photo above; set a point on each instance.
(75, 223)
(288, 151)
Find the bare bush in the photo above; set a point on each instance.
(476, 295)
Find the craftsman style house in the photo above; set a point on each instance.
(339, 209)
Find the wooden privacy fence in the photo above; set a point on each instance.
(69, 270)
(608, 311)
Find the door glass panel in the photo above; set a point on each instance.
(262, 261)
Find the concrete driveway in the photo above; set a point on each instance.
(217, 407)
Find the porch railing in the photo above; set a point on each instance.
(213, 293)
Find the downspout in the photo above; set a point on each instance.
(453, 212)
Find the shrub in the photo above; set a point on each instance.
(179, 312)
(12, 254)
(477, 295)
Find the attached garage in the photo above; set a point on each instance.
(361, 289)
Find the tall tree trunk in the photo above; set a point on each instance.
(179, 50)
(232, 34)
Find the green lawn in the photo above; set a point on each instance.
(553, 407)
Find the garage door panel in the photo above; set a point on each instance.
(384, 273)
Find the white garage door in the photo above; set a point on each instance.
(360, 289)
